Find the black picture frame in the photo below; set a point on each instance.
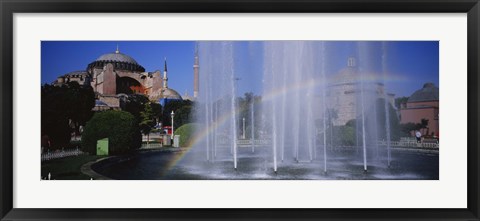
(9, 7)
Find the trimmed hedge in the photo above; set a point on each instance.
(187, 134)
(119, 127)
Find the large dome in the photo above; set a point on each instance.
(118, 57)
(428, 93)
(119, 60)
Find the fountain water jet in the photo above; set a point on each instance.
(299, 107)
(207, 122)
(234, 121)
(387, 109)
(215, 131)
(252, 123)
(324, 79)
(362, 55)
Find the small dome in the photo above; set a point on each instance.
(171, 94)
(117, 57)
(429, 92)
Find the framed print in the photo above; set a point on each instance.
(226, 110)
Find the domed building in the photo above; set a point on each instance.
(428, 93)
(82, 77)
(169, 95)
(422, 104)
(113, 75)
(343, 93)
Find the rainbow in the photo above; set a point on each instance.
(273, 94)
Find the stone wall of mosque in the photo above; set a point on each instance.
(345, 100)
(342, 100)
(105, 81)
(111, 100)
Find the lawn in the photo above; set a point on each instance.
(67, 168)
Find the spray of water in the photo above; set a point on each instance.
(387, 106)
(299, 101)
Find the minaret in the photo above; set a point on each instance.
(165, 78)
(351, 62)
(195, 73)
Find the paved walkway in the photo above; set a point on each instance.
(87, 170)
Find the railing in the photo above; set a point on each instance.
(401, 143)
(244, 142)
(60, 154)
(151, 146)
(410, 143)
(255, 142)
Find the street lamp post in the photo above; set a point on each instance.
(172, 115)
(243, 136)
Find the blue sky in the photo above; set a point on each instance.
(410, 63)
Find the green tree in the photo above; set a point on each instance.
(423, 123)
(352, 123)
(332, 115)
(173, 105)
(400, 100)
(63, 110)
(157, 111)
(147, 120)
(245, 105)
(135, 104)
(345, 136)
(395, 129)
(120, 127)
(183, 116)
(83, 100)
(407, 128)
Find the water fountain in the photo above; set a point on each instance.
(298, 114)
(293, 71)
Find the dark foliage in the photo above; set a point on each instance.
(182, 110)
(134, 104)
(182, 116)
(188, 133)
(400, 100)
(64, 109)
(395, 129)
(120, 127)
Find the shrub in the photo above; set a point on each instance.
(342, 135)
(187, 134)
(119, 127)
(395, 128)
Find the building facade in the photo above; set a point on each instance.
(423, 104)
(346, 91)
(116, 75)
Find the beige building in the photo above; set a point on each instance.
(116, 75)
(344, 94)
